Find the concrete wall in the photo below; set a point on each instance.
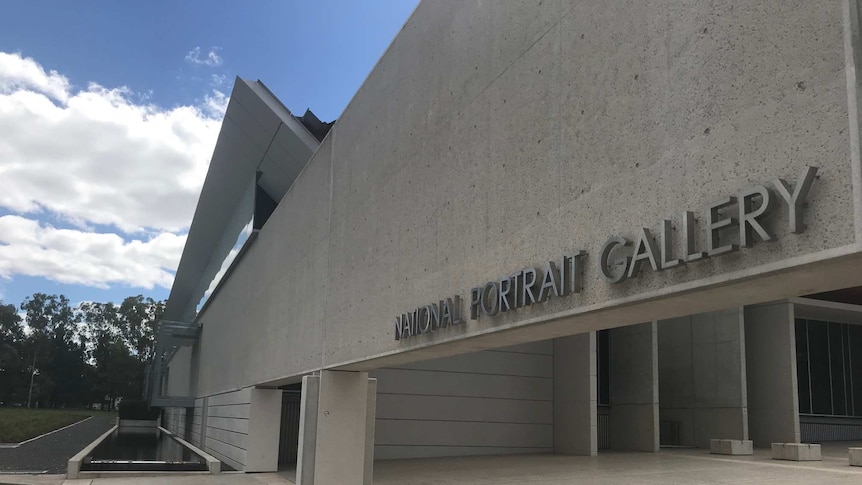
(175, 421)
(770, 362)
(196, 435)
(227, 427)
(484, 403)
(180, 373)
(702, 385)
(493, 136)
(633, 413)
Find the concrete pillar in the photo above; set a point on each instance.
(770, 357)
(307, 430)
(336, 435)
(263, 430)
(370, 424)
(575, 427)
(702, 388)
(633, 414)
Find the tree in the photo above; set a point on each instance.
(57, 347)
(137, 324)
(121, 340)
(11, 340)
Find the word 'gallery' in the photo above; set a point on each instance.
(583, 246)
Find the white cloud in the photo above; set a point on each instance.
(18, 73)
(215, 104)
(30, 248)
(96, 156)
(92, 157)
(211, 59)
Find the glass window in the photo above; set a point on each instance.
(818, 366)
(603, 378)
(855, 360)
(802, 366)
(827, 380)
(836, 368)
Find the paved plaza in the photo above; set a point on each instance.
(671, 466)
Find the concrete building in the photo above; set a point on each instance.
(538, 227)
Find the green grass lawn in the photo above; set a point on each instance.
(19, 424)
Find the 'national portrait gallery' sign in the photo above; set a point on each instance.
(742, 213)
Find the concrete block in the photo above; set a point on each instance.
(855, 456)
(715, 446)
(796, 452)
(777, 451)
(731, 447)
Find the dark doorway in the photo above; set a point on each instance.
(289, 434)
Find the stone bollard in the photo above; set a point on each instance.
(796, 452)
(731, 447)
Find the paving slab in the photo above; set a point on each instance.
(677, 466)
(668, 466)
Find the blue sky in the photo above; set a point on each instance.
(108, 114)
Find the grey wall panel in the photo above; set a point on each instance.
(542, 347)
(227, 426)
(228, 453)
(507, 363)
(459, 433)
(234, 438)
(471, 404)
(463, 384)
(240, 425)
(230, 411)
(447, 408)
(403, 452)
(237, 397)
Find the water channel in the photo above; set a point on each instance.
(142, 451)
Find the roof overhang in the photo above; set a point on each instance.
(260, 140)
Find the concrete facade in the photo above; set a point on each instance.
(497, 136)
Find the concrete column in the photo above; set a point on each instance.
(702, 386)
(336, 436)
(575, 426)
(633, 414)
(307, 430)
(770, 356)
(263, 430)
(370, 424)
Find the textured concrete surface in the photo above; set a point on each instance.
(496, 135)
(52, 452)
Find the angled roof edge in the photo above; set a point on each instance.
(253, 118)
